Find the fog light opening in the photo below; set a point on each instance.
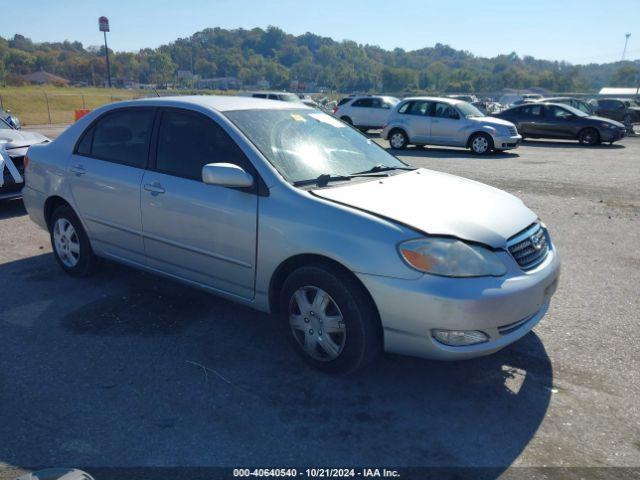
(459, 338)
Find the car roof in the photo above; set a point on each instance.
(452, 101)
(221, 103)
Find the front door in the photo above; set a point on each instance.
(194, 231)
(105, 173)
(446, 126)
(558, 122)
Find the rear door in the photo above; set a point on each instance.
(415, 115)
(360, 111)
(105, 173)
(192, 230)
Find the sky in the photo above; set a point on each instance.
(577, 31)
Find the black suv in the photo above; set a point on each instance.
(625, 111)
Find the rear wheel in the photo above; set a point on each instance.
(332, 322)
(589, 137)
(628, 123)
(481, 143)
(70, 243)
(398, 139)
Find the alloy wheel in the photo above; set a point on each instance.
(66, 242)
(317, 323)
(397, 140)
(480, 144)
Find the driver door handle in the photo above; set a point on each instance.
(155, 188)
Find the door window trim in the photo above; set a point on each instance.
(90, 130)
(259, 186)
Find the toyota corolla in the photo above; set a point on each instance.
(288, 210)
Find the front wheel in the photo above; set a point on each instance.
(332, 322)
(398, 140)
(589, 137)
(481, 143)
(70, 243)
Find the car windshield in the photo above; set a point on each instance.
(469, 110)
(303, 144)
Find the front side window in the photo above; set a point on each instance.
(303, 144)
(120, 137)
(188, 141)
(444, 110)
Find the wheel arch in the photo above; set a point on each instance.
(50, 206)
(475, 132)
(285, 268)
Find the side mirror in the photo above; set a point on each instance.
(226, 175)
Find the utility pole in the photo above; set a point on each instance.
(103, 23)
(626, 41)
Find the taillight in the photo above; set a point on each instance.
(25, 162)
(335, 110)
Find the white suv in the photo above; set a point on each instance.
(365, 112)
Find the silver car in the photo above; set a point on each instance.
(448, 122)
(289, 210)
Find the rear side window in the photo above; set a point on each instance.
(121, 137)
(533, 110)
(188, 141)
(84, 147)
(259, 95)
(363, 102)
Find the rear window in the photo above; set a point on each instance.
(344, 100)
(120, 137)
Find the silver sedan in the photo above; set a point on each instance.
(288, 210)
(448, 122)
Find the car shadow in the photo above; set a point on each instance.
(458, 153)
(568, 144)
(11, 209)
(128, 369)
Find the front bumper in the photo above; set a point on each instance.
(504, 308)
(611, 134)
(506, 143)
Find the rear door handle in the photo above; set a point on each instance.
(155, 188)
(78, 169)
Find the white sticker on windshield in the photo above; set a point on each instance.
(323, 117)
(298, 118)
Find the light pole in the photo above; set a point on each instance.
(626, 41)
(103, 22)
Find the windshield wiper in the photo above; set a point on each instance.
(382, 168)
(325, 178)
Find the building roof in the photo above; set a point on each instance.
(44, 77)
(614, 91)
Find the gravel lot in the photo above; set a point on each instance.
(126, 369)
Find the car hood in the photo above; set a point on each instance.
(606, 120)
(439, 204)
(20, 138)
(492, 121)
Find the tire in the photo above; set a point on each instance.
(70, 243)
(589, 137)
(398, 140)
(356, 333)
(628, 123)
(481, 143)
(347, 120)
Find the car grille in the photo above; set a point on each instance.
(512, 131)
(9, 183)
(529, 247)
